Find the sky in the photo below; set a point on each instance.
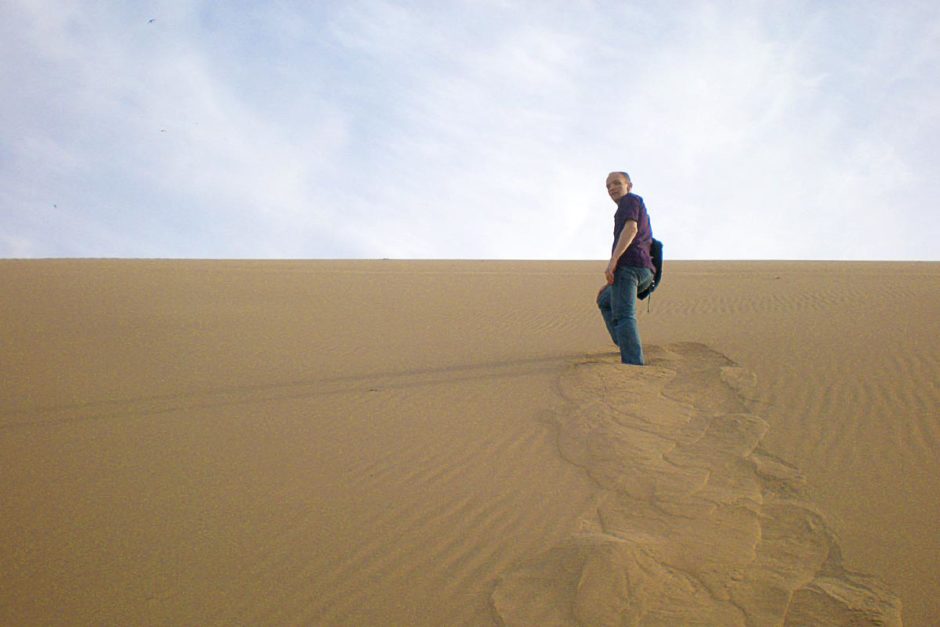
(468, 129)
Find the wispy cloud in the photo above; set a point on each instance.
(468, 129)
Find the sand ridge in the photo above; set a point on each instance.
(697, 525)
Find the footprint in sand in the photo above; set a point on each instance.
(694, 523)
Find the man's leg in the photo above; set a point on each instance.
(604, 304)
(644, 280)
(623, 309)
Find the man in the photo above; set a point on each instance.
(630, 268)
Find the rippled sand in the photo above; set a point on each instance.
(442, 442)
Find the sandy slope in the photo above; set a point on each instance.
(452, 442)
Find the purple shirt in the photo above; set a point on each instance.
(631, 207)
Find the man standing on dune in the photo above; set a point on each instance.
(630, 269)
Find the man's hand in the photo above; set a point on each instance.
(609, 272)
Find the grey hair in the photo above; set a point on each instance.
(627, 177)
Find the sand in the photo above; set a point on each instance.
(434, 442)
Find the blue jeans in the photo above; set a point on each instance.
(617, 303)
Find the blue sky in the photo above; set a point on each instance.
(476, 129)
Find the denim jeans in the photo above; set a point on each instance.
(618, 307)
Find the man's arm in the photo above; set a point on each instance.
(623, 242)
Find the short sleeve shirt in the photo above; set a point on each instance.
(631, 207)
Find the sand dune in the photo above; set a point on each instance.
(698, 525)
(453, 443)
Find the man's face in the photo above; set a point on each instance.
(617, 186)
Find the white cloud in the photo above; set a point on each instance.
(469, 129)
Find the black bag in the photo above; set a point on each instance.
(656, 254)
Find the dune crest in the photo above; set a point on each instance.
(695, 524)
